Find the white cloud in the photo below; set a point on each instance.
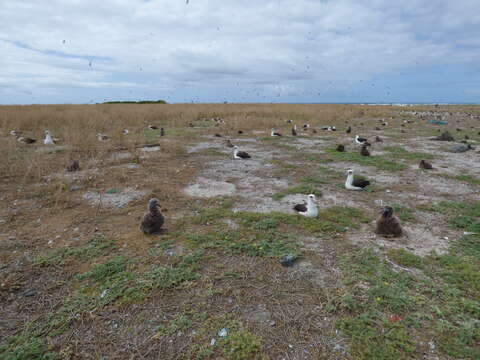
(274, 46)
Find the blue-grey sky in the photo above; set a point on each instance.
(85, 51)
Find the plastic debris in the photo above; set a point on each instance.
(438, 122)
(288, 260)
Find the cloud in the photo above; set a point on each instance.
(274, 49)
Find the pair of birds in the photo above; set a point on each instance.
(387, 224)
(49, 139)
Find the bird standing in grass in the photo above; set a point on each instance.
(388, 224)
(349, 130)
(162, 132)
(355, 184)
(240, 154)
(309, 209)
(48, 138)
(341, 148)
(294, 130)
(153, 220)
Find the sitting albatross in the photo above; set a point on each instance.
(25, 140)
(102, 137)
(274, 133)
(388, 224)
(240, 154)
(309, 209)
(360, 140)
(153, 220)
(355, 184)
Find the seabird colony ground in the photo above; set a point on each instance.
(236, 273)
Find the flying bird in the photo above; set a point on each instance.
(355, 184)
(152, 127)
(240, 154)
(309, 209)
(153, 220)
(388, 224)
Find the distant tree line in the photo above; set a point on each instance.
(137, 102)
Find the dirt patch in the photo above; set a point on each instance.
(207, 188)
(418, 239)
(111, 200)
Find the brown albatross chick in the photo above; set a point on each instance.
(73, 165)
(364, 151)
(388, 224)
(153, 220)
(425, 165)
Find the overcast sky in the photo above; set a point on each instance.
(85, 51)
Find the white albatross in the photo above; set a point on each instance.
(48, 138)
(309, 209)
(274, 133)
(355, 184)
(240, 154)
(360, 140)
